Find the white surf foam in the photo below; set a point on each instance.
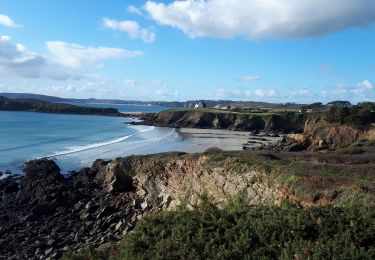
(76, 149)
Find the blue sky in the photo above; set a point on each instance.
(274, 50)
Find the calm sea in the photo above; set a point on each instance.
(75, 141)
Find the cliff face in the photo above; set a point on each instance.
(166, 184)
(315, 132)
(33, 105)
(319, 134)
(164, 181)
(231, 121)
(103, 203)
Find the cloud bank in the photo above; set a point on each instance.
(17, 61)
(262, 19)
(67, 64)
(76, 55)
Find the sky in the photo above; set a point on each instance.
(261, 50)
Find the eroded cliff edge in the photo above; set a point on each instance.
(320, 134)
(213, 119)
(306, 131)
(49, 213)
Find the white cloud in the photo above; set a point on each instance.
(7, 21)
(132, 28)
(17, 61)
(76, 55)
(258, 19)
(262, 92)
(365, 85)
(241, 94)
(249, 78)
(134, 10)
(166, 94)
(361, 90)
(302, 93)
(69, 89)
(148, 90)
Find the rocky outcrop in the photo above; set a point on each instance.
(318, 134)
(225, 120)
(45, 213)
(165, 184)
(49, 213)
(114, 178)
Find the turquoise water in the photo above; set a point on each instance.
(74, 141)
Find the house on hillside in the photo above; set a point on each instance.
(200, 105)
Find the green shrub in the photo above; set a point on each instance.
(360, 115)
(239, 231)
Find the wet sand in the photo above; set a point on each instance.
(199, 140)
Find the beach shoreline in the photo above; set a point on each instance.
(199, 140)
(158, 140)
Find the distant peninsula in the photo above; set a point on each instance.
(34, 105)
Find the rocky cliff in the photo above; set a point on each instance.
(286, 122)
(319, 134)
(45, 213)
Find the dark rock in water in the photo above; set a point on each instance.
(42, 182)
(9, 185)
(51, 213)
(43, 168)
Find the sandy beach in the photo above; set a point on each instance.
(199, 140)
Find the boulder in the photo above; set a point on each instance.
(9, 185)
(42, 181)
(114, 178)
(98, 165)
(42, 169)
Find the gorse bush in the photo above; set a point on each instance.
(242, 232)
(239, 231)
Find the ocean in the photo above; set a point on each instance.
(75, 141)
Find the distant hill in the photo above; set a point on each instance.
(176, 104)
(35, 105)
(32, 96)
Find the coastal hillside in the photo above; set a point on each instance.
(218, 119)
(34, 105)
(341, 126)
(102, 204)
(175, 104)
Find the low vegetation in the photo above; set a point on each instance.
(359, 115)
(330, 214)
(240, 231)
